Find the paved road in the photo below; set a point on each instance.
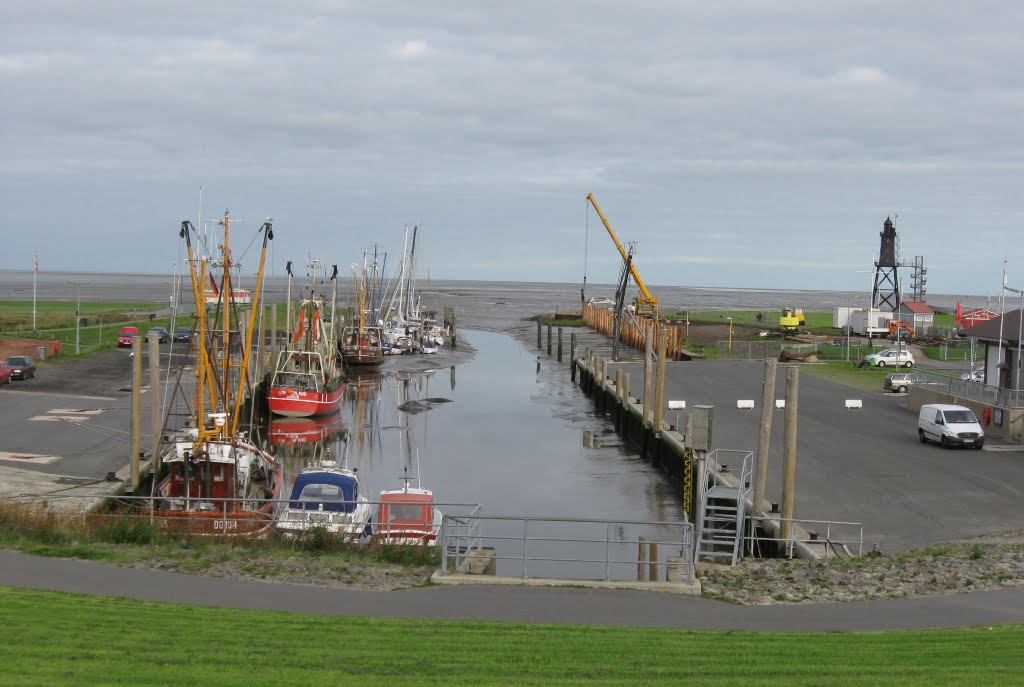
(514, 604)
(857, 465)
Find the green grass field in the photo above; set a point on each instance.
(50, 638)
(101, 322)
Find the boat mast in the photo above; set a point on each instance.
(288, 303)
(268, 235)
(225, 299)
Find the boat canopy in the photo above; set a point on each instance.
(329, 491)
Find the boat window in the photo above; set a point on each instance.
(405, 513)
(322, 493)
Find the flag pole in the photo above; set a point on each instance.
(35, 273)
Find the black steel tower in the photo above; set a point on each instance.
(886, 293)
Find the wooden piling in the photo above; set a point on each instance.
(765, 435)
(572, 356)
(560, 344)
(641, 560)
(659, 392)
(789, 453)
(652, 557)
(539, 344)
(549, 339)
(648, 372)
(155, 416)
(136, 426)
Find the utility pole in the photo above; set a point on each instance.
(78, 309)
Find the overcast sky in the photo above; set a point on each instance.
(740, 144)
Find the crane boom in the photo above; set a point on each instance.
(646, 303)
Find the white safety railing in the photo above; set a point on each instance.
(838, 536)
(570, 548)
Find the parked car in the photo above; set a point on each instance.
(124, 339)
(899, 382)
(22, 367)
(5, 372)
(950, 426)
(892, 356)
(183, 334)
(975, 374)
(163, 336)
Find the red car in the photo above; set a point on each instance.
(21, 366)
(124, 340)
(5, 373)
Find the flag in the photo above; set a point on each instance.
(213, 283)
(37, 261)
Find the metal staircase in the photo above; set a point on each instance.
(723, 509)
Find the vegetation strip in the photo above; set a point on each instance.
(57, 638)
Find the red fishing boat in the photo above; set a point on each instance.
(308, 379)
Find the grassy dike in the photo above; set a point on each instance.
(50, 638)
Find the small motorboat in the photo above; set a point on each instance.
(407, 516)
(327, 496)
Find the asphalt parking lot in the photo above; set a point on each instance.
(863, 465)
(69, 426)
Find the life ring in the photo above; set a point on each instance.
(986, 415)
(56, 347)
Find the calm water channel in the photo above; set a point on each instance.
(492, 431)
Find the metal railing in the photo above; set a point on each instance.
(813, 529)
(1012, 399)
(599, 545)
(218, 516)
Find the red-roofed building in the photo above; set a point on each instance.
(917, 314)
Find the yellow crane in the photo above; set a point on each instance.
(646, 305)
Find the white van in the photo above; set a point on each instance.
(950, 426)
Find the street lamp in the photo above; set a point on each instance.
(78, 308)
(730, 332)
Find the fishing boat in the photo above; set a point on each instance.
(362, 343)
(215, 481)
(308, 376)
(407, 516)
(326, 496)
(362, 346)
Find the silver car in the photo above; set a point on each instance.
(899, 382)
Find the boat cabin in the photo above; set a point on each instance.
(325, 491)
(406, 514)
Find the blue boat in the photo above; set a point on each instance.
(326, 496)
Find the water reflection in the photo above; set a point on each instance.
(505, 438)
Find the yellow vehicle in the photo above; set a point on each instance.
(792, 319)
(645, 305)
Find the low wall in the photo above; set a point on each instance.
(9, 347)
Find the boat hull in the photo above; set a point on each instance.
(363, 357)
(294, 403)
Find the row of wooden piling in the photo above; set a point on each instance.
(635, 333)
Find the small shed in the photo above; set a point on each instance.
(917, 314)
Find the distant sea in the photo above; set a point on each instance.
(484, 304)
